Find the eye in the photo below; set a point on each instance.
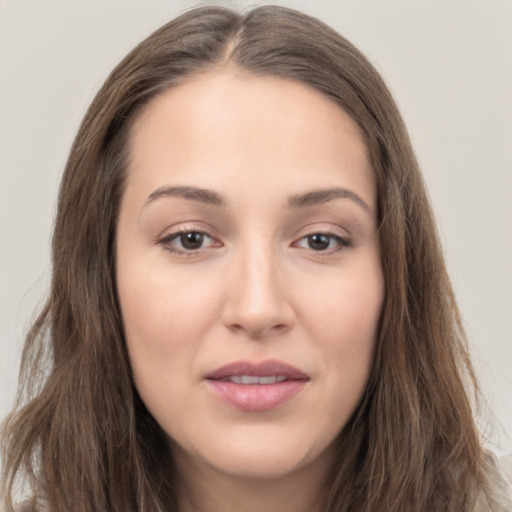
(323, 242)
(189, 241)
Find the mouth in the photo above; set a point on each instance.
(260, 386)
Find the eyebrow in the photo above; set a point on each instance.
(200, 195)
(302, 200)
(321, 196)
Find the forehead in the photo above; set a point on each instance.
(228, 126)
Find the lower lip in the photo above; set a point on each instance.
(256, 397)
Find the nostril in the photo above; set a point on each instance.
(262, 330)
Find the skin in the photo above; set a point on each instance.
(257, 287)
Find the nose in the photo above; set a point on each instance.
(257, 301)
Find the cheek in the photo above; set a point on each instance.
(163, 336)
(344, 308)
(344, 317)
(160, 302)
(164, 317)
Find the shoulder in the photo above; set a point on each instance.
(499, 477)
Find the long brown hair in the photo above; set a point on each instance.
(82, 440)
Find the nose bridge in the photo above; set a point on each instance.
(257, 301)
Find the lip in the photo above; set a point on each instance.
(256, 397)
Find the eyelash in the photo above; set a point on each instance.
(167, 240)
(341, 242)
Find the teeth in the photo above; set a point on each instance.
(267, 380)
(252, 379)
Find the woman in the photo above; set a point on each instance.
(249, 307)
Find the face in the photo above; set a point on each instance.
(248, 272)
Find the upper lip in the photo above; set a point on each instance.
(266, 368)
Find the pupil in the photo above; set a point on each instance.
(191, 240)
(318, 242)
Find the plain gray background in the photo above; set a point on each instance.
(448, 64)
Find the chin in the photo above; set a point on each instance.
(259, 453)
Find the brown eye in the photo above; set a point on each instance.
(323, 242)
(319, 242)
(191, 241)
(182, 242)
